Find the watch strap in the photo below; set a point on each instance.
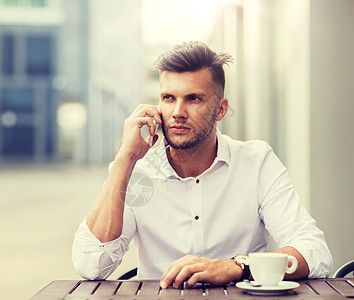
(245, 268)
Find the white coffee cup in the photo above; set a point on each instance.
(270, 268)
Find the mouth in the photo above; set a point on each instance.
(179, 129)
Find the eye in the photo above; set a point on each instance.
(194, 98)
(167, 97)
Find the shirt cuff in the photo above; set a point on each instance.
(90, 244)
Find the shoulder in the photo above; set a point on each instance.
(245, 153)
(250, 148)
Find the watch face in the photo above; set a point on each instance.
(242, 259)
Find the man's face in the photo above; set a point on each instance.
(189, 107)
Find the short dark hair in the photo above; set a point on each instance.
(194, 56)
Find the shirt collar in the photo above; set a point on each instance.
(223, 155)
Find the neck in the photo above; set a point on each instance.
(194, 161)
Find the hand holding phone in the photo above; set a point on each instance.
(151, 138)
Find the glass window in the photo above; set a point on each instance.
(38, 55)
(18, 140)
(11, 2)
(50, 123)
(17, 100)
(38, 3)
(32, 3)
(7, 55)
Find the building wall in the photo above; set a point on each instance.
(230, 23)
(72, 81)
(116, 74)
(332, 109)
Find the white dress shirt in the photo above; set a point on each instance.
(223, 212)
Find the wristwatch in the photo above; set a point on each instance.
(242, 261)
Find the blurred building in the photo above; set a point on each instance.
(70, 73)
(43, 51)
(29, 34)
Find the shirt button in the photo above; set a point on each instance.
(197, 181)
(196, 217)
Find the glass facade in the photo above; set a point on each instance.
(18, 140)
(7, 55)
(30, 3)
(11, 2)
(18, 100)
(38, 56)
(38, 3)
(27, 105)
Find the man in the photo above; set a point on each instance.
(198, 199)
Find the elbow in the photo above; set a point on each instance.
(86, 264)
(88, 275)
(94, 266)
(322, 267)
(327, 267)
(91, 272)
(86, 269)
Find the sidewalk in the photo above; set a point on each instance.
(40, 209)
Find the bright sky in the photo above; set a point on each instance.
(174, 21)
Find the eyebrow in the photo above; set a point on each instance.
(201, 95)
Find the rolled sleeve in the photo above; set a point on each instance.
(316, 253)
(95, 260)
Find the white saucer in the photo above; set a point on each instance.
(282, 288)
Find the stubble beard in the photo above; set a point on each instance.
(197, 137)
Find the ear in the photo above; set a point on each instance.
(223, 108)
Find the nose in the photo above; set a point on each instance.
(179, 110)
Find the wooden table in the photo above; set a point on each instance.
(330, 289)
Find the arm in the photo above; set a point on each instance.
(105, 219)
(294, 231)
(103, 237)
(302, 270)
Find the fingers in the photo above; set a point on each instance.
(191, 274)
(133, 144)
(195, 278)
(194, 269)
(181, 270)
(151, 111)
(148, 115)
(141, 121)
(179, 261)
